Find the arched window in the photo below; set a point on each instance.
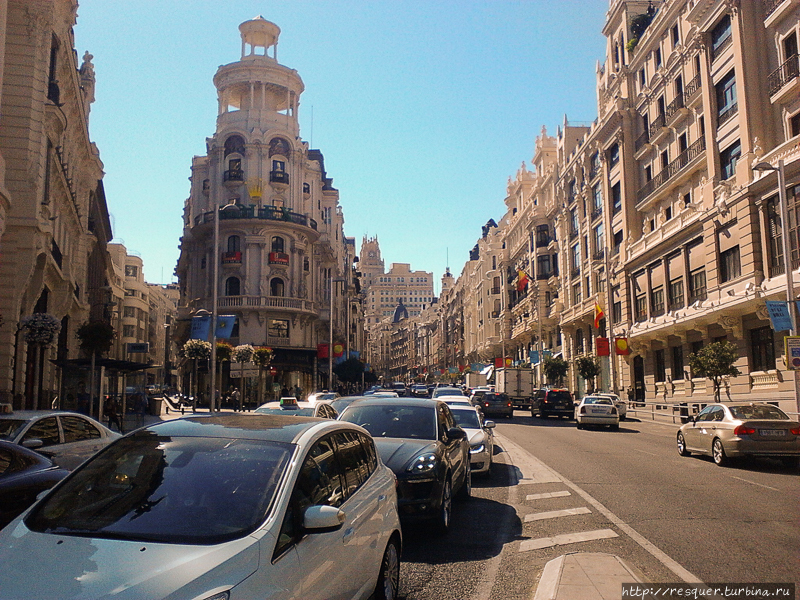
(276, 287)
(277, 244)
(234, 144)
(234, 244)
(232, 286)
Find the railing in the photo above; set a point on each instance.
(674, 106)
(598, 254)
(277, 341)
(233, 175)
(783, 74)
(543, 242)
(715, 52)
(641, 141)
(575, 271)
(544, 276)
(266, 302)
(597, 212)
(726, 115)
(278, 258)
(770, 6)
(269, 213)
(683, 159)
(692, 88)
(657, 125)
(279, 176)
(573, 233)
(231, 258)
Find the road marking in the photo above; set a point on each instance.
(754, 483)
(544, 495)
(643, 452)
(532, 471)
(553, 514)
(566, 538)
(527, 458)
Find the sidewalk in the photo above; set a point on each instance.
(585, 576)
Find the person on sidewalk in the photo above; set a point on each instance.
(236, 397)
(111, 413)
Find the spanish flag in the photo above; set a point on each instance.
(598, 315)
(522, 280)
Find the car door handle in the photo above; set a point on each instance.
(348, 534)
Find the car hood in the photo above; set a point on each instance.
(396, 453)
(77, 567)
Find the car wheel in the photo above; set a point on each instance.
(465, 493)
(614, 427)
(682, 445)
(790, 462)
(389, 576)
(445, 508)
(718, 453)
(579, 425)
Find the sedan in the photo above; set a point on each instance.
(291, 407)
(419, 440)
(24, 474)
(725, 431)
(419, 390)
(230, 507)
(67, 438)
(597, 410)
(622, 406)
(480, 436)
(455, 400)
(493, 403)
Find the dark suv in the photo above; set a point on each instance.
(552, 402)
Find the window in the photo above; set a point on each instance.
(676, 293)
(675, 35)
(579, 340)
(774, 237)
(277, 244)
(618, 237)
(641, 307)
(278, 328)
(232, 286)
(660, 365)
(597, 200)
(613, 155)
(129, 311)
(234, 244)
(677, 362)
(762, 349)
(599, 239)
(697, 285)
(616, 198)
(543, 268)
(575, 258)
(720, 35)
(657, 301)
(45, 430)
(326, 215)
(131, 271)
(595, 164)
(794, 125)
(354, 458)
(542, 240)
(728, 159)
(657, 57)
(574, 223)
(726, 98)
(128, 331)
(77, 429)
(576, 293)
(642, 78)
(729, 265)
(276, 286)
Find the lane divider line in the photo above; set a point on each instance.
(545, 495)
(554, 514)
(567, 538)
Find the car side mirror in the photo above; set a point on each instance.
(33, 443)
(456, 433)
(489, 424)
(321, 518)
(690, 419)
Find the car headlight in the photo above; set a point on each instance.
(477, 448)
(423, 463)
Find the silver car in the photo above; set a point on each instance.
(68, 438)
(480, 435)
(729, 430)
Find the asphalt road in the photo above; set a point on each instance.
(556, 490)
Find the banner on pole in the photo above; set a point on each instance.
(779, 315)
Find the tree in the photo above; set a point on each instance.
(95, 338)
(588, 368)
(714, 362)
(349, 370)
(555, 369)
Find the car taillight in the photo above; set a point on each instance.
(795, 430)
(486, 404)
(509, 403)
(744, 430)
(583, 410)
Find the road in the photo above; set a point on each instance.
(626, 493)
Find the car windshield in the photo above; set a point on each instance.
(383, 420)
(466, 418)
(446, 392)
(758, 411)
(596, 400)
(553, 396)
(10, 428)
(179, 490)
(294, 411)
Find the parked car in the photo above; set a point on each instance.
(419, 440)
(480, 435)
(290, 406)
(419, 390)
(234, 506)
(554, 401)
(24, 474)
(597, 410)
(495, 403)
(68, 438)
(725, 431)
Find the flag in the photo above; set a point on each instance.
(225, 325)
(522, 280)
(338, 350)
(598, 315)
(603, 346)
(621, 346)
(200, 328)
(322, 350)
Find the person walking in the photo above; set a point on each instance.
(236, 398)
(111, 413)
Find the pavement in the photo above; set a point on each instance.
(585, 576)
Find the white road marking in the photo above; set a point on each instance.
(566, 538)
(554, 514)
(643, 452)
(754, 483)
(544, 495)
(516, 453)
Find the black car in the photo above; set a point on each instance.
(419, 440)
(493, 404)
(24, 474)
(548, 402)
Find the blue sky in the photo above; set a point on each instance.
(423, 110)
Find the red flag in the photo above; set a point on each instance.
(621, 346)
(522, 280)
(322, 350)
(603, 346)
(598, 315)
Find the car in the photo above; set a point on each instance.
(419, 390)
(493, 403)
(67, 438)
(399, 387)
(235, 506)
(326, 396)
(622, 405)
(419, 440)
(455, 400)
(477, 394)
(341, 403)
(480, 435)
(24, 474)
(597, 410)
(726, 431)
(553, 401)
(446, 391)
(290, 406)
(384, 393)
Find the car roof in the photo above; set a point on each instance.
(301, 404)
(384, 400)
(277, 428)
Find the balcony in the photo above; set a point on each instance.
(231, 258)
(598, 254)
(267, 302)
(770, 6)
(267, 213)
(727, 114)
(691, 89)
(715, 52)
(544, 275)
(656, 126)
(597, 212)
(641, 141)
(279, 177)
(233, 176)
(673, 168)
(278, 258)
(783, 74)
(674, 108)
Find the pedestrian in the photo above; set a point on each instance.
(111, 413)
(237, 400)
(298, 392)
(284, 392)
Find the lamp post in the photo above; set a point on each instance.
(330, 331)
(787, 258)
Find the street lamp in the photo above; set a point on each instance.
(330, 331)
(787, 259)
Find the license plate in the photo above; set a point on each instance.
(598, 411)
(778, 432)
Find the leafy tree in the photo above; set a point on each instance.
(224, 351)
(588, 368)
(555, 369)
(349, 370)
(96, 337)
(714, 362)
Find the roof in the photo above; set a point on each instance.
(277, 428)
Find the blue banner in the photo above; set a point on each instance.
(477, 367)
(200, 328)
(225, 325)
(533, 356)
(779, 315)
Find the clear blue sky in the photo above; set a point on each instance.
(423, 110)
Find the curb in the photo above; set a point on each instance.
(585, 575)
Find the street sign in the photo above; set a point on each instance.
(143, 348)
(243, 370)
(792, 343)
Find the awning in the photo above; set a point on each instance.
(488, 371)
(112, 364)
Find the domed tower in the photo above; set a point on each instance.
(281, 237)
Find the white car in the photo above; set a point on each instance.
(323, 396)
(597, 410)
(452, 401)
(222, 507)
(480, 435)
(622, 406)
(290, 406)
